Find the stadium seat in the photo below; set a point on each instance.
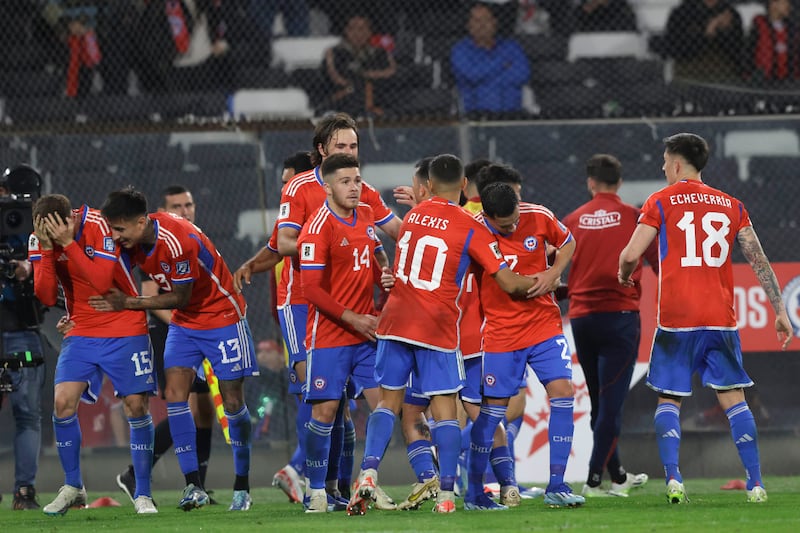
(387, 175)
(80, 153)
(257, 77)
(301, 52)
(744, 144)
(652, 15)
(251, 225)
(259, 104)
(749, 10)
(606, 44)
(540, 47)
(223, 155)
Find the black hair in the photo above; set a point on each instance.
(172, 190)
(423, 167)
(299, 161)
(498, 173)
(446, 168)
(693, 148)
(325, 130)
(336, 162)
(125, 204)
(498, 199)
(605, 168)
(472, 168)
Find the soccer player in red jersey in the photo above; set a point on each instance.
(605, 317)
(518, 333)
(75, 249)
(696, 226)
(338, 269)
(438, 241)
(208, 321)
(301, 197)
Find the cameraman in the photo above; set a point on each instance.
(22, 371)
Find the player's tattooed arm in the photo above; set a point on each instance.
(116, 300)
(754, 253)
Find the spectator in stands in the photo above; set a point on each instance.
(705, 37)
(116, 31)
(163, 33)
(294, 13)
(359, 73)
(605, 15)
(773, 44)
(84, 55)
(489, 71)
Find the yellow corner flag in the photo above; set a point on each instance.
(213, 384)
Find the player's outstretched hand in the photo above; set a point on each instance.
(404, 194)
(242, 277)
(363, 324)
(114, 300)
(387, 279)
(784, 329)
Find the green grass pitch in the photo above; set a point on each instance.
(710, 509)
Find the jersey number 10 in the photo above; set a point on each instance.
(437, 245)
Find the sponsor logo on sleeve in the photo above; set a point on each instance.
(108, 244)
(283, 211)
(182, 267)
(308, 251)
(495, 247)
(33, 243)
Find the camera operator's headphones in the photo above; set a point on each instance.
(22, 181)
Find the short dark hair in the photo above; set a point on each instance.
(299, 161)
(125, 204)
(325, 130)
(472, 168)
(52, 203)
(693, 148)
(605, 168)
(498, 199)
(498, 173)
(446, 168)
(423, 167)
(172, 190)
(336, 162)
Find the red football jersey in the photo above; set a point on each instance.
(696, 225)
(514, 324)
(301, 197)
(87, 267)
(471, 319)
(437, 241)
(602, 227)
(183, 254)
(345, 251)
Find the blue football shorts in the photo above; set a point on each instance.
(293, 320)
(126, 361)
(504, 372)
(328, 370)
(229, 350)
(438, 372)
(716, 355)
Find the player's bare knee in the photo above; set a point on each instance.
(135, 405)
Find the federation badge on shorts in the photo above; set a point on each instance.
(530, 243)
(108, 244)
(320, 383)
(307, 251)
(490, 380)
(89, 251)
(283, 211)
(165, 267)
(182, 267)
